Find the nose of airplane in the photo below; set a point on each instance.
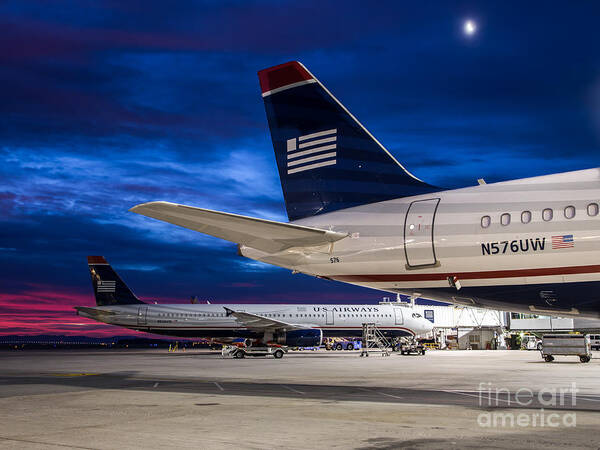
(425, 326)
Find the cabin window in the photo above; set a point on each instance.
(505, 219)
(526, 216)
(547, 214)
(570, 212)
(592, 209)
(486, 221)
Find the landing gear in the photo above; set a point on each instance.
(584, 358)
(548, 358)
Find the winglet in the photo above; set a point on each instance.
(283, 76)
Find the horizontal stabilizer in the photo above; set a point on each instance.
(265, 235)
(93, 312)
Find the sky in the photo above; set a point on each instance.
(107, 104)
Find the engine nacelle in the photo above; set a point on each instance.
(310, 337)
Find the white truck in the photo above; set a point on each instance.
(531, 342)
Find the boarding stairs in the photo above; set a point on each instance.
(373, 338)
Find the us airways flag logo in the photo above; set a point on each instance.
(564, 241)
(312, 151)
(106, 286)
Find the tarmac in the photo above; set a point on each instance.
(106, 399)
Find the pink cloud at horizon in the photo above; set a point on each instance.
(44, 309)
(49, 310)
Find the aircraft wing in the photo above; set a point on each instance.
(265, 235)
(256, 322)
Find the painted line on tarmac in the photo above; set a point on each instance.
(373, 391)
(45, 444)
(292, 389)
(219, 386)
(480, 396)
(370, 391)
(83, 374)
(388, 395)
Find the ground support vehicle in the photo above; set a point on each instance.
(233, 351)
(408, 346)
(531, 342)
(566, 345)
(342, 344)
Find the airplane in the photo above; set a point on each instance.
(356, 215)
(269, 324)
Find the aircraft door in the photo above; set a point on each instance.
(329, 317)
(418, 233)
(142, 315)
(399, 317)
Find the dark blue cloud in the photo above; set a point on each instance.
(107, 104)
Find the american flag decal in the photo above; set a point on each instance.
(564, 241)
(311, 151)
(106, 286)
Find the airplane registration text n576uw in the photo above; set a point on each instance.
(358, 216)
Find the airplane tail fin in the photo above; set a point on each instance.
(109, 289)
(326, 159)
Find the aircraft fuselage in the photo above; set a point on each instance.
(539, 252)
(212, 321)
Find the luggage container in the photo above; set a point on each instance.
(566, 345)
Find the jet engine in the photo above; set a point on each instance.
(310, 337)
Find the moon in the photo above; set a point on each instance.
(470, 27)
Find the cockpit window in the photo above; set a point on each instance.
(416, 315)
